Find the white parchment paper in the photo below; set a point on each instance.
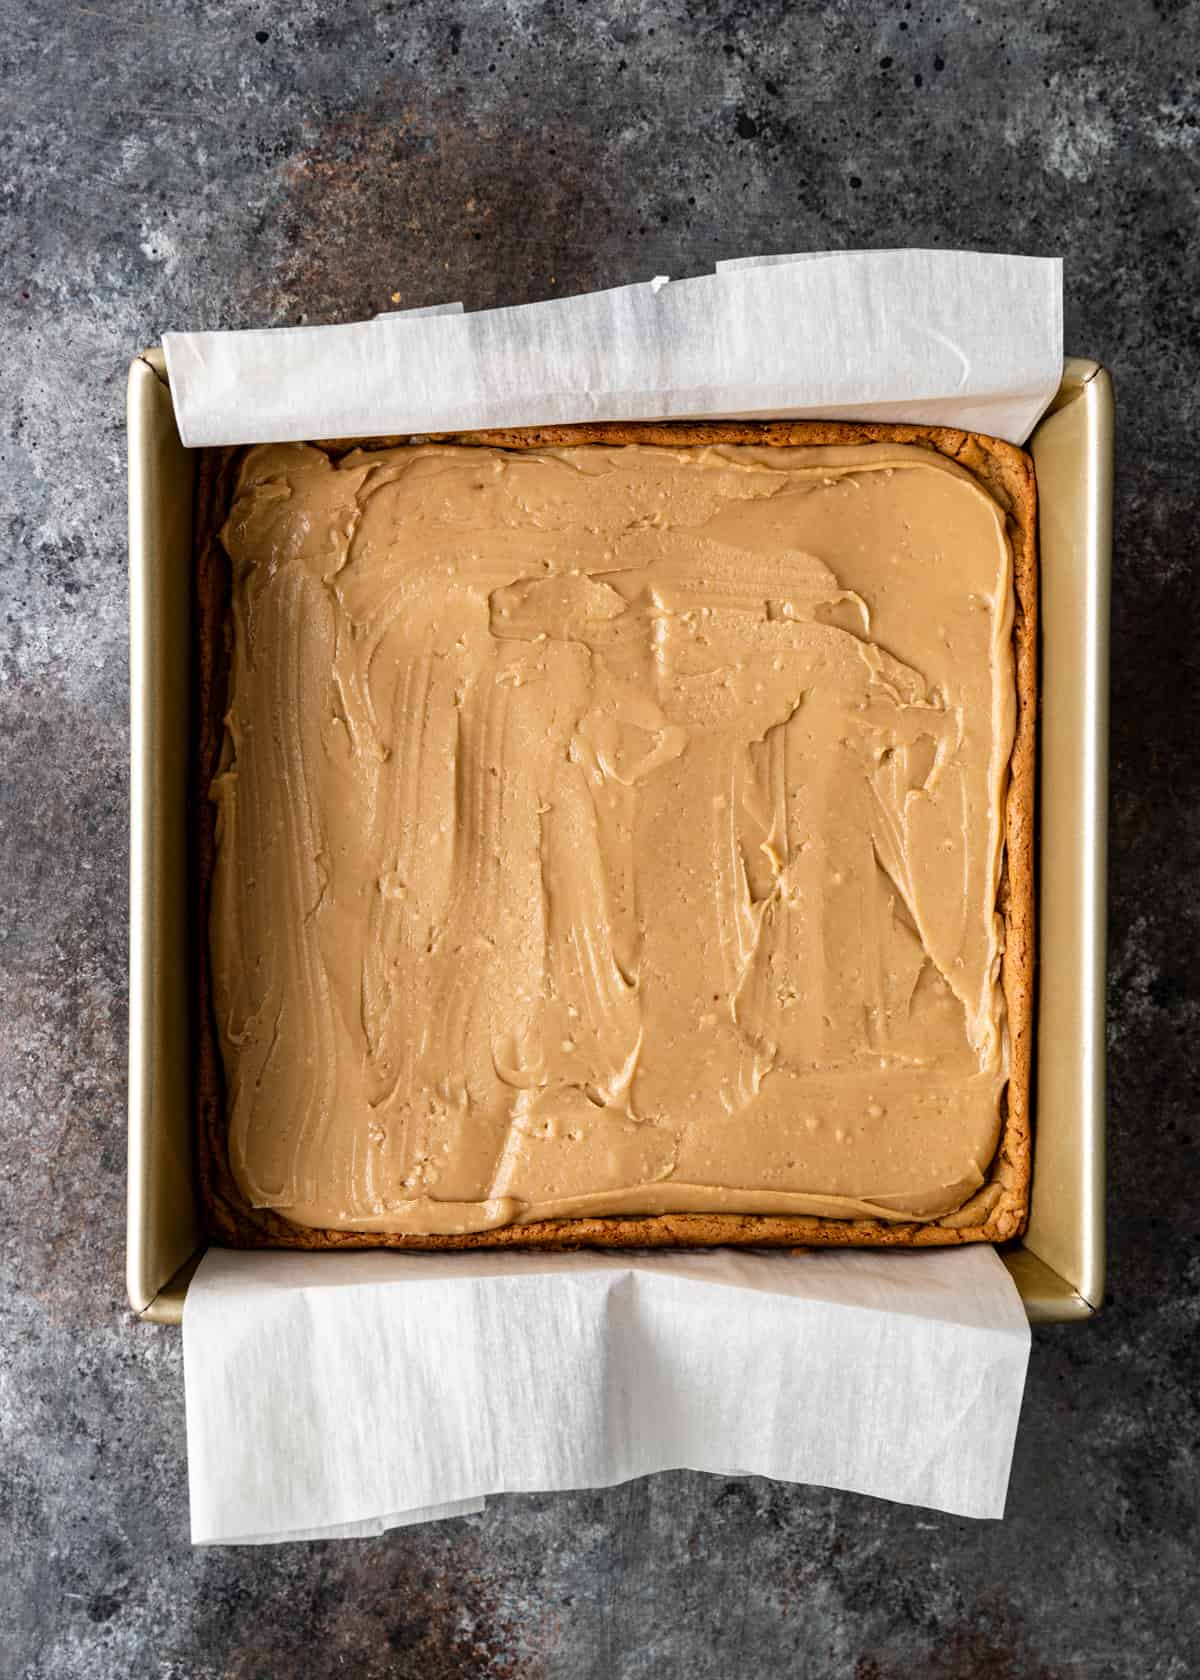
(343, 1394)
(955, 338)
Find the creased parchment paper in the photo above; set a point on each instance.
(953, 338)
(342, 1394)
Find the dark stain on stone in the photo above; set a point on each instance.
(408, 1635)
(386, 213)
(424, 1603)
(975, 1655)
(965, 1655)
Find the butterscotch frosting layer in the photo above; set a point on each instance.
(612, 829)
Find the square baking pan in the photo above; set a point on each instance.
(1058, 1265)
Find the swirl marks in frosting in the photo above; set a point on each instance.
(612, 829)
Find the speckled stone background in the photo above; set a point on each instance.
(174, 162)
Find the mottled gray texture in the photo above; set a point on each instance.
(169, 162)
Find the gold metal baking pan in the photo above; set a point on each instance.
(1059, 1264)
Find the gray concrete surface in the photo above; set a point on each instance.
(170, 162)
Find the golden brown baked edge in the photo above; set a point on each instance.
(996, 1213)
